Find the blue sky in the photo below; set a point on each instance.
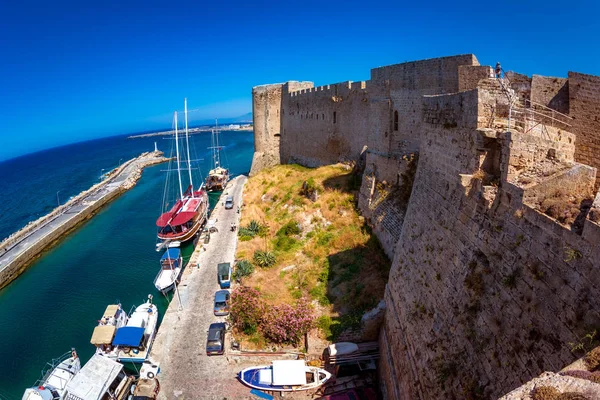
(72, 71)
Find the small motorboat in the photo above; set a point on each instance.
(134, 340)
(170, 269)
(113, 318)
(100, 378)
(284, 376)
(55, 378)
(147, 386)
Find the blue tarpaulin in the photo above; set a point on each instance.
(172, 253)
(128, 336)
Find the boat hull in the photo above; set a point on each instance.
(250, 377)
(136, 355)
(184, 236)
(159, 282)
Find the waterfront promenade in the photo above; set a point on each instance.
(18, 250)
(180, 345)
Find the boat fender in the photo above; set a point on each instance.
(150, 375)
(135, 351)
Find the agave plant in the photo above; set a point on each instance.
(243, 268)
(254, 227)
(246, 232)
(264, 259)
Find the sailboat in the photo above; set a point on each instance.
(189, 212)
(218, 176)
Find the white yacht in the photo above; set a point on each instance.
(134, 340)
(113, 318)
(171, 264)
(100, 378)
(55, 378)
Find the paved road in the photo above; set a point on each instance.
(71, 211)
(180, 347)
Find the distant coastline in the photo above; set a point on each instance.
(192, 131)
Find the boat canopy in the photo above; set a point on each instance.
(182, 218)
(164, 219)
(103, 334)
(289, 372)
(172, 253)
(111, 311)
(128, 336)
(92, 381)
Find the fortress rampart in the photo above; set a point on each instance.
(483, 192)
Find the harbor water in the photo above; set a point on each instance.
(56, 303)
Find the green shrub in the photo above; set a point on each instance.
(264, 259)
(324, 238)
(289, 229)
(243, 268)
(284, 243)
(324, 324)
(319, 293)
(246, 238)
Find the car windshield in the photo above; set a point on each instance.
(213, 343)
(220, 304)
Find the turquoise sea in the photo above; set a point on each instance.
(56, 303)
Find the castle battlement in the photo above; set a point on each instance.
(484, 191)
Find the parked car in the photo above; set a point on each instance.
(221, 303)
(224, 275)
(229, 203)
(215, 342)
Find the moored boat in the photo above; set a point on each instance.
(284, 376)
(100, 378)
(218, 176)
(53, 384)
(113, 318)
(171, 265)
(184, 219)
(134, 340)
(147, 385)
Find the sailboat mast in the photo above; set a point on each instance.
(217, 149)
(187, 144)
(177, 150)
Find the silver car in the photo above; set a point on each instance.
(222, 303)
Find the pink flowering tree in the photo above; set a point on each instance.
(247, 309)
(288, 324)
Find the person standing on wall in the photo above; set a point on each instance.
(498, 70)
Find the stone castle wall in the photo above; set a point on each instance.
(584, 107)
(485, 290)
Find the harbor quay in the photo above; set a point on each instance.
(186, 372)
(21, 248)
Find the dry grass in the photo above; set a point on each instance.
(337, 261)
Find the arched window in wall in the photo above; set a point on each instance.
(395, 120)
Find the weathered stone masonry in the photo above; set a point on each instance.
(485, 291)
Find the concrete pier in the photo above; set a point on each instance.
(18, 250)
(180, 345)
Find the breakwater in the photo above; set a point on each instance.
(18, 250)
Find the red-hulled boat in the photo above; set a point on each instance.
(185, 218)
(189, 212)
